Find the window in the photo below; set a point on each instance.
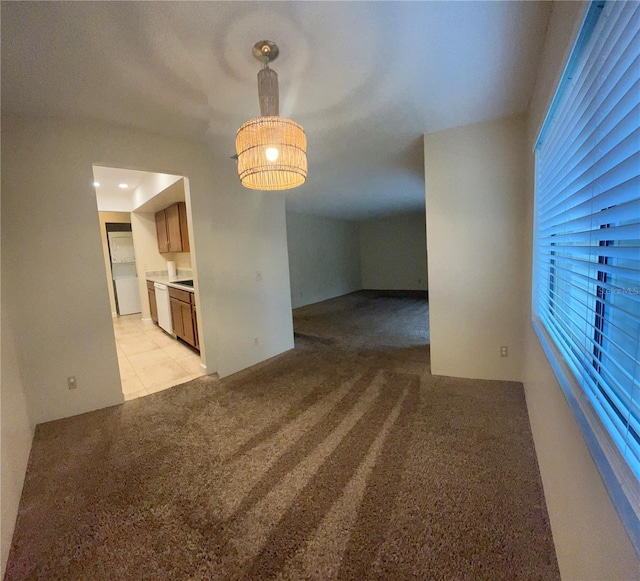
(586, 293)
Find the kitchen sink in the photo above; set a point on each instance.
(184, 282)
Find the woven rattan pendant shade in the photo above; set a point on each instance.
(256, 170)
(271, 150)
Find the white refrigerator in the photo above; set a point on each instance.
(123, 272)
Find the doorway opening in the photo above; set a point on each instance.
(360, 286)
(145, 224)
(123, 268)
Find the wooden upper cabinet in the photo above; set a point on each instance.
(173, 228)
(161, 231)
(171, 225)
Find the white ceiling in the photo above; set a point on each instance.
(109, 194)
(147, 191)
(365, 79)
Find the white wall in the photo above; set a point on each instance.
(151, 187)
(475, 204)
(393, 253)
(590, 539)
(16, 433)
(51, 222)
(323, 258)
(251, 277)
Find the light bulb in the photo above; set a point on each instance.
(96, 184)
(272, 153)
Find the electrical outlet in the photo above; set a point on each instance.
(258, 275)
(72, 383)
(504, 351)
(255, 341)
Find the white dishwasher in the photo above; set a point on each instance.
(164, 307)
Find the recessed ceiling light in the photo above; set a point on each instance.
(123, 186)
(96, 184)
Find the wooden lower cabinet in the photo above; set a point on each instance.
(187, 325)
(176, 316)
(183, 316)
(153, 306)
(195, 325)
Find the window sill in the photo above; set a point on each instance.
(618, 478)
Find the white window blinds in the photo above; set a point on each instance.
(587, 230)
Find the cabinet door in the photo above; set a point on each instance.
(195, 327)
(187, 325)
(184, 233)
(153, 306)
(176, 317)
(173, 228)
(161, 231)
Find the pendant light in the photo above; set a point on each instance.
(271, 150)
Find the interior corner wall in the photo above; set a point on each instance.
(393, 253)
(324, 258)
(590, 539)
(475, 207)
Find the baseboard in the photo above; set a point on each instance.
(402, 294)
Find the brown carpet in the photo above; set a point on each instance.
(342, 459)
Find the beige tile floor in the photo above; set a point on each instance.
(149, 359)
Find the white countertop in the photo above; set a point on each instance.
(173, 281)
